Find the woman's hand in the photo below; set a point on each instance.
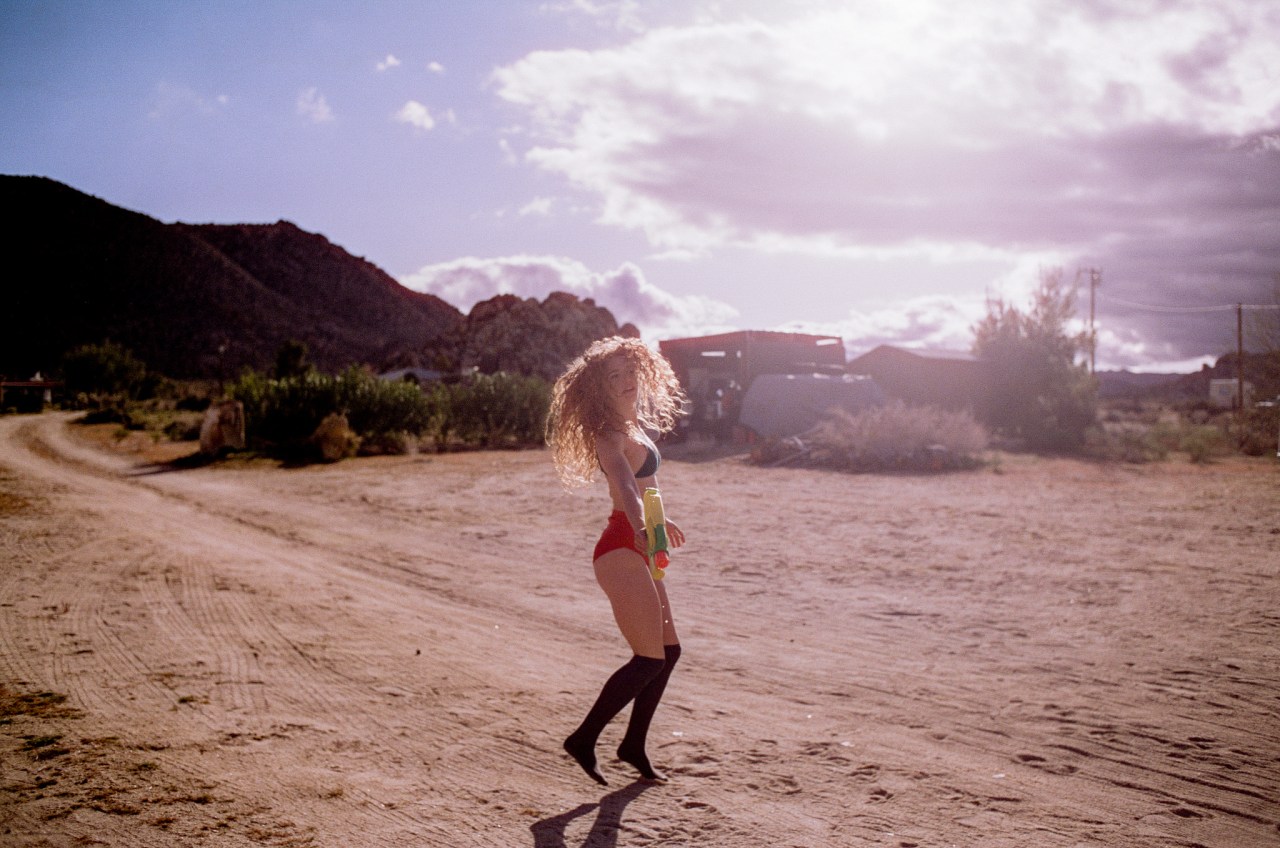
(674, 534)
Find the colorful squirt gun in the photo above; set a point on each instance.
(655, 527)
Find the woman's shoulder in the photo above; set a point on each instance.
(612, 440)
(612, 436)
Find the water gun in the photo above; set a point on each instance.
(655, 527)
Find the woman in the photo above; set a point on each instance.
(600, 409)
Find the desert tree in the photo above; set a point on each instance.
(1038, 393)
(103, 371)
(291, 360)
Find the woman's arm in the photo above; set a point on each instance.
(610, 449)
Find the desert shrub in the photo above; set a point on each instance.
(376, 408)
(1203, 443)
(106, 410)
(1127, 443)
(1166, 435)
(396, 443)
(500, 409)
(391, 416)
(281, 415)
(162, 418)
(97, 375)
(291, 360)
(443, 398)
(1257, 431)
(896, 436)
(334, 439)
(182, 427)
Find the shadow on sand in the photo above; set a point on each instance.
(549, 833)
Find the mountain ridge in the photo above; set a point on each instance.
(208, 300)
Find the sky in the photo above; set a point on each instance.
(875, 170)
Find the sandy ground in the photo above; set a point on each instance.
(387, 652)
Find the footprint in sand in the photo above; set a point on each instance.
(1038, 762)
(870, 771)
(879, 795)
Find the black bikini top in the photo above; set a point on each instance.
(652, 459)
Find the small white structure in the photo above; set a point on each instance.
(1225, 394)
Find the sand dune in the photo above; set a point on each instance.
(387, 652)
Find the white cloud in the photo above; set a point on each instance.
(170, 99)
(435, 67)
(539, 206)
(716, 134)
(416, 115)
(622, 15)
(933, 322)
(508, 153)
(624, 291)
(313, 106)
(389, 62)
(1140, 135)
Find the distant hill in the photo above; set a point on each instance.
(191, 301)
(1131, 384)
(1260, 369)
(209, 300)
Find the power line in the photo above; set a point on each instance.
(1153, 308)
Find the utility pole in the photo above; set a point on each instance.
(1240, 356)
(1095, 280)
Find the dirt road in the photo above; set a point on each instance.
(387, 652)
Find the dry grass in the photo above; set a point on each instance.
(892, 437)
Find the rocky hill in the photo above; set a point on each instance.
(209, 300)
(1260, 369)
(507, 333)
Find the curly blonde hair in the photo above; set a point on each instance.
(581, 411)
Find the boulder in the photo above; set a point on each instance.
(334, 438)
(222, 428)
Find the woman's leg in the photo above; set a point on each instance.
(632, 749)
(621, 688)
(638, 601)
(638, 609)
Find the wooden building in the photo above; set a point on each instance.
(945, 378)
(26, 395)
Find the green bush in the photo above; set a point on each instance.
(1203, 443)
(376, 407)
(1257, 431)
(1128, 443)
(103, 374)
(500, 409)
(391, 417)
(281, 415)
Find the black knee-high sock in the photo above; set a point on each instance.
(632, 749)
(619, 689)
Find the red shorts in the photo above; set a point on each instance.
(618, 535)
